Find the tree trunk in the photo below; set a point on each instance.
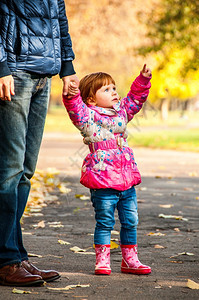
(164, 109)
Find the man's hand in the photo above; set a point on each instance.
(146, 72)
(6, 88)
(67, 80)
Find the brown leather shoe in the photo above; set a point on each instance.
(48, 276)
(16, 275)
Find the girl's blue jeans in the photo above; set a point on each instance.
(21, 129)
(105, 201)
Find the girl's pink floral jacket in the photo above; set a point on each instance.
(110, 163)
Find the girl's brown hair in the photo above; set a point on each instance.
(91, 83)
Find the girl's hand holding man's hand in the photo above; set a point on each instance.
(146, 72)
(73, 89)
(67, 80)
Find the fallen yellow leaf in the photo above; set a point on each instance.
(16, 291)
(56, 225)
(79, 195)
(177, 229)
(63, 189)
(172, 217)
(156, 233)
(166, 205)
(114, 245)
(192, 285)
(83, 198)
(34, 255)
(176, 262)
(77, 249)
(159, 247)
(41, 224)
(35, 210)
(183, 253)
(69, 287)
(63, 242)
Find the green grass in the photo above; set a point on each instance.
(146, 130)
(175, 118)
(184, 140)
(179, 132)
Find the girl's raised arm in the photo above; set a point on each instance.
(138, 93)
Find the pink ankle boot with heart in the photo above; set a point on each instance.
(102, 266)
(131, 263)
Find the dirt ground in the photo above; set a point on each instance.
(169, 244)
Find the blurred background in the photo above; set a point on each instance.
(118, 37)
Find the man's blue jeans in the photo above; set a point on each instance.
(21, 128)
(105, 201)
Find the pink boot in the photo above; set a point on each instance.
(102, 266)
(130, 261)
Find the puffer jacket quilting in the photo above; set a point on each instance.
(112, 165)
(34, 36)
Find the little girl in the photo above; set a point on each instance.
(109, 170)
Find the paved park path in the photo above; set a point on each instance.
(66, 152)
(170, 245)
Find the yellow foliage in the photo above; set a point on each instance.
(167, 80)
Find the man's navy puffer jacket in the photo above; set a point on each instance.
(34, 37)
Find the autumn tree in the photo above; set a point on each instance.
(174, 23)
(172, 30)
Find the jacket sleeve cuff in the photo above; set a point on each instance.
(67, 68)
(67, 98)
(4, 70)
(143, 80)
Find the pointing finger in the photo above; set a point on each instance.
(144, 68)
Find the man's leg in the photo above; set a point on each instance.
(13, 127)
(36, 120)
(35, 126)
(13, 130)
